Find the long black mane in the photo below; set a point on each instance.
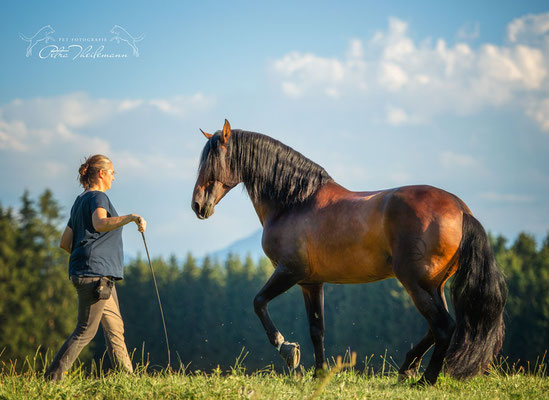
(269, 169)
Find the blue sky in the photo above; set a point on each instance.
(454, 95)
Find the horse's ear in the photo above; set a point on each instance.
(226, 132)
(208, 135)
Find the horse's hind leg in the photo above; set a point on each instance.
(441, 325)
(432, 305)
(281, 280)
(313, 294)
(414, 356)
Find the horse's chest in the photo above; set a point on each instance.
(285, 244)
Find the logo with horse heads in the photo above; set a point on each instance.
(82, 47)
(122, 35)
(43, 35)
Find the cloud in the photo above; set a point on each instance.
(13, 135)
(451, 160)
(396, 117)
(391, 76)
(510, 198)
(430, 77)
(539, 111)
(469, 31)
(182, 106)
(528, 28)
(309, 70)
(78, 110)
(44, 137)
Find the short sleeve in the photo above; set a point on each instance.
(70, 224)
(99, 200)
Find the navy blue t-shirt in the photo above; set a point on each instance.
(94, 253)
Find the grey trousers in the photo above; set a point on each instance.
(91, 312)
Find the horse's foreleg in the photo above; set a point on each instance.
(313, 295)
(281, 280)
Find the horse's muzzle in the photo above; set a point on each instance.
(203, 212)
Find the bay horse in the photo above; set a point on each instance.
(316, 231)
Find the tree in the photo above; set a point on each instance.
(38, 310)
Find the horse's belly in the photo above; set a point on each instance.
(355, 263)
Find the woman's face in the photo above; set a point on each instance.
(108, 176)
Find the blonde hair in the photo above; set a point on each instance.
(89, 170)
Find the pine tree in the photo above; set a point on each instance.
(38, 311)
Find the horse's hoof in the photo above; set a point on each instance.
(423, 382)
(291, 353)
(320, 373)
(405, 376)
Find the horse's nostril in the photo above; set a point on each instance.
(196, 206)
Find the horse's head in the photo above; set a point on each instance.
(215, 178)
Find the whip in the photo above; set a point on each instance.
(158, 297)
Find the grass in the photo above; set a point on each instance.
(342, 382)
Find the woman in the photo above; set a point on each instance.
(93, 237)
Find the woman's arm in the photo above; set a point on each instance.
(102, 223)
(66, 240)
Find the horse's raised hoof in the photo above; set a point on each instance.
(291, 353)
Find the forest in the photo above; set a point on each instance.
(208, 304)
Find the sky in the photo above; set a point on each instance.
(381, 94)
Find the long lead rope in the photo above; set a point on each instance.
(158, 297)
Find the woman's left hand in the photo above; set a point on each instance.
(141, 224)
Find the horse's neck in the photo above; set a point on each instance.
(332, 191)
(264, 210)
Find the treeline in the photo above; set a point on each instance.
(208, 305)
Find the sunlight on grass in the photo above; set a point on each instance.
(342, 380)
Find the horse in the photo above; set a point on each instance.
(315, 231)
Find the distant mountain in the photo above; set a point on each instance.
(249, 245)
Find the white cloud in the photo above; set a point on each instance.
(396, 45)
(78, 110)
(396, 116)
(430, 77)
(539, 110)
(310, 71)
(527, 28)
(182, 106)
(13, 135)
(356, 49)
(450, 159)
(46, 136)
(392, 76)
(291, 89)
(511, 198)
(469, 31)
(520, 66)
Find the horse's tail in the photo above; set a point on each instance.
(478, 294)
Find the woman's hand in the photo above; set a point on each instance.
(141, 223)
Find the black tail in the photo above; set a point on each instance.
(478, 293)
